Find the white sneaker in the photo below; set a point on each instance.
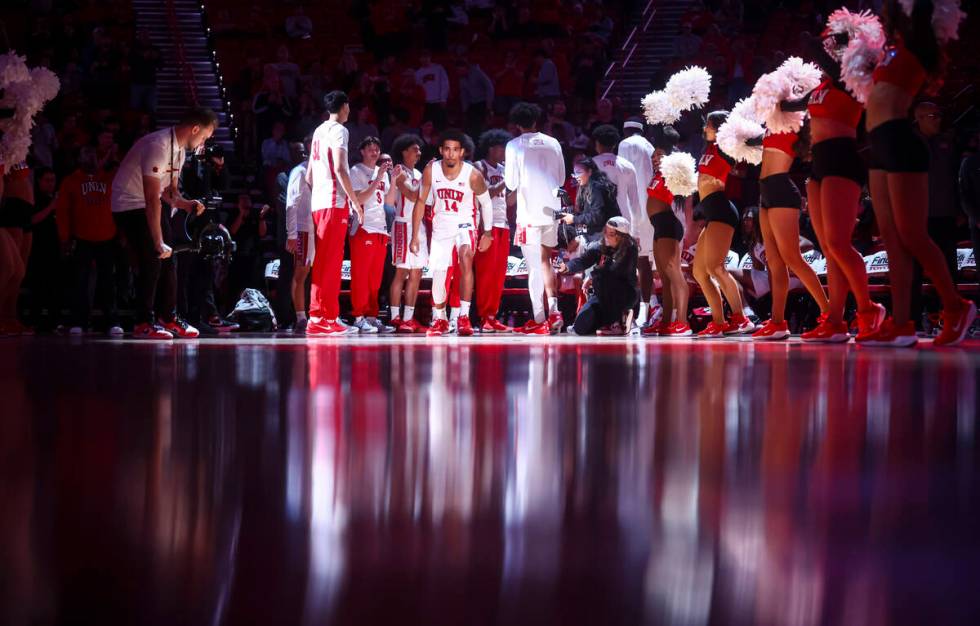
(76, 331)
(116, 331)
(365, 327)
(382, 328)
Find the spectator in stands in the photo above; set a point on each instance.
(44, 269)
(288, 72)
(686, 44)
(604, 114)
(410, 97)
(360, 127)
(308, 115)
(88, 235)
(247, 228)
(545, 75)
(397, 126)
(299, 25)
(275, 149)
(44, 141)
(144, 62)
(250, 77)
(271, 104)
(508, 82)
(499, 23)
(612, 287)
(433, 79)
(475, 95)
(603, 25)
(556, 126)
(106, 149)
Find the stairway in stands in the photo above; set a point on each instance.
(647, 47)
(189, 75)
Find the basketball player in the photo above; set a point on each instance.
(299, 238)
(639, 152)
(333, 198)
(407, 150)
(491, 266)
(457, 189)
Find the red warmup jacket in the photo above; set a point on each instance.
(83, 210)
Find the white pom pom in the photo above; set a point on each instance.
(689, 88)
(791, 81)
(865, 49)
(13, 69)
(26, 91)
(680, 173)
(946, 18)
(46, 83)
(657, 109)
(733, 134)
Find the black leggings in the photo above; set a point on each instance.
(156, 281)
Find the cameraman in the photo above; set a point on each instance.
(149, 173)
(205, 177)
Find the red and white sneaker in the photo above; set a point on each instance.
(326, 328)
(438, 328)
(541, 330)
(772, 331)
(613, 330)
(892, 335)
(464, 328)
(410, 327)
(738, 324)
(654, 330)
(827, 332)
(678, 329)
(870, 321)
(527, 327)
(496, 325)
(180, 329)
(487, 327)
(956, 324)
(555, 322)
(151, 331)
(395, 323)
(712, 331)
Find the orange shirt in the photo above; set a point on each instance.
(83, 209)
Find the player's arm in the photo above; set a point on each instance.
(402, 183)
(512, 176)
(391, 193)
(175, 199)
(479, 185)
(343, 175)
(419, 209)
(151, 195)
(363, 188)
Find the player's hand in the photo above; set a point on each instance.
(359, 210)
(197, 207)
(568, 219)
(292, 245)
(265, 210)
(163, 250)
(485, 242)
(414, 246)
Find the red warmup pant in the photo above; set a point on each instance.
(331, 230)
(452, 281)
(491, 272)
(367, 268)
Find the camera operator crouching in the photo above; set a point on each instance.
(206, 177)
(149, 174)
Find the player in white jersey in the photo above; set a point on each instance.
(639, 152)
(491, 266)
(332, 200)
(457, 188)
(369, 243)
(299, 237)
(534, 168)
(407, 150)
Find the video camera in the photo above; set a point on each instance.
(210, 240)
(566, 232)
(566, 203)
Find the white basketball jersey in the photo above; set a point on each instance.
(453, 201)
(495, 176)
(328, 140)
(403, 205)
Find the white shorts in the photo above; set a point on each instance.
(401, 253)
(444, 241)
(305, 250)
(536, 235)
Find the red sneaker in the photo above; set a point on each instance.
(464, 328)
(870, 321)
(180, 329)
(772, 331)
(438, 328)
(956, 324)
(712, 331)
(892, 335)
(654, 330)
(539, 329)
(410, 327)
(827, 332)
(499, 326)
(678, 329)
(613, 330)
(555, 322)
(324, 328)
(151, 331)
(738, 324)
(395, 323)
(527, 327)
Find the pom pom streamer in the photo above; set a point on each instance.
(733, 134)
(864, 51)
(26, 91)
(680, 173)
(657, 109)
(791, 81)
(689, 88)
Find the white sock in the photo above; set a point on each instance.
(394, 311)
(464, 308)
(552, 305)
(300, 316)
(409, 312)
(453, 314)
(358, 319)
(439, 314)
(673, 316)
(654, 301)
(747, 311)
(644, 314)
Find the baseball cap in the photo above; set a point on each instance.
(619, 224)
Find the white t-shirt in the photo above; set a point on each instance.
(329, 139)
(403, 206)
(534, 167)
(157, 155)
(454, 203)
(639, 152)
(299, 215)
(622, 173)
(494, 176)
(374, 207)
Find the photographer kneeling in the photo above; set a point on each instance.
(613, 282)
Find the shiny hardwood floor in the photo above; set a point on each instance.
(487, 482)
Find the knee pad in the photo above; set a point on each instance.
(439, 287)
(896, 148)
